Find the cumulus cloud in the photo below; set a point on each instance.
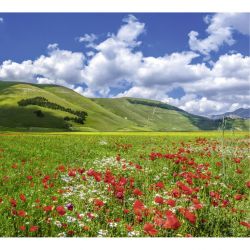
(220, 31)
(116, 63)
(88, 39)
(58, 66)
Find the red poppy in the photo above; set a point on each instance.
(22, 197)
(170, 202)
(29, 177)
(176, 193)
(21, 213)
(137, 192)
(61, 210)
(61, 168)
(159, 200)
(48, 208)
(245, 224)
(119, 195)
(98, 203)
(22, 228)
(33, 228)
(129, 228)
(188, 215)
(72, 173)
(138, 205)
(98, 176)
(126, 211)
(238, 197)
(13, 202)
(150, 229)
(218, 164)
(239, 171)
(172, 221)
(248, 184)
(237, 160)
(159, 185)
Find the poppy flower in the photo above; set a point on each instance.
(98, 203)
(159, 200)
(245, 224)
(61, 210)
(237, 160)
(150, 229)
(129, 228)
(159, 185)
(248, 184)
(191, 217)
(119, 195)
(33, 228)
(158, 220)
(239, 171)
(98, 176)
(22, 228)
(171, 222)
(138, 205)
(170, 202)
(13, 202)
(137, 192)
(21, 213)
(48, 208)
(22, 197)
(72, 173)
(29, 177)
(238, 197)
(61, 168)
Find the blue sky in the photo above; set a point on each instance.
(172, 57)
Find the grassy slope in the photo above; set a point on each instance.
(98, 118)
(13, 116)
(148, 117)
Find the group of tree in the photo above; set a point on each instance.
(43, 102)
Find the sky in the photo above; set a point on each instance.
(199, 62)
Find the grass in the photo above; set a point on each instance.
(84, 184)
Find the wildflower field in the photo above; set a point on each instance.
(124, 184)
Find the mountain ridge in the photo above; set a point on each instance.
(243, 113)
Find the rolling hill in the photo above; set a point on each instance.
(58, 107)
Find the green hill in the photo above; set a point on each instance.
(14, 117)
(60, 107)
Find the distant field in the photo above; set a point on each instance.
(124, 184)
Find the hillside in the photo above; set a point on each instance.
(61, 106)
(14, 117)
(154, 115)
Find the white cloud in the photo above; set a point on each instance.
(1, 20)
(88, 39)
(220, 31)
(115, 62)
(59, 66)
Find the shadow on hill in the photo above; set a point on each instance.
(25, 119)
(5, 85)
(201, 122)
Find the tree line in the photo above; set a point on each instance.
(43, 102)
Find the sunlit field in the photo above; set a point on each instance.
(124, 184)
